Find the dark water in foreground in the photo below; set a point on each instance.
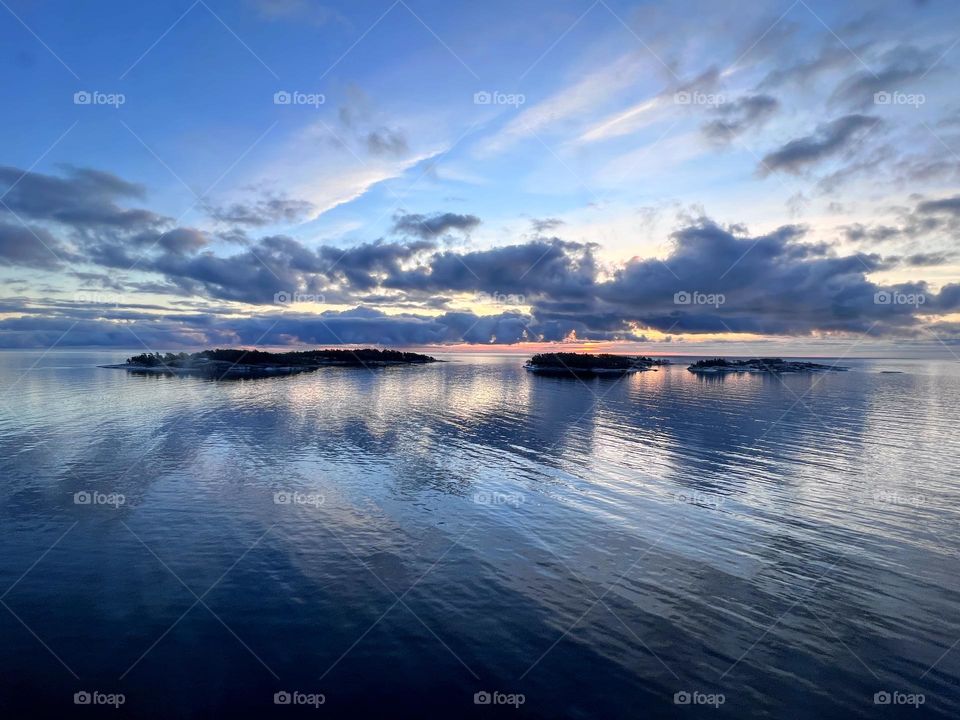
(400, 540)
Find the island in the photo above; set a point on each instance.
(232, 364)
(567, 364)
(774, 366)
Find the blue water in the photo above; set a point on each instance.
(399, 540)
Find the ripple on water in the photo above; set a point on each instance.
(790, 543)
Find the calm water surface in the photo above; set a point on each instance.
(399, 540)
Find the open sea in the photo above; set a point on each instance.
(468, 540)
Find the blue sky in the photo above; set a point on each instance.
(503, 173)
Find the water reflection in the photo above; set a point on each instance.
(597, 545)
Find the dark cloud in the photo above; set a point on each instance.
(278, 264)
(928, 259)
(829, 139)
(82, 198)
(780, 283)
(275, 264)
(263, 211)
(384, 141)
(773, 284)
(546, 267)
(361, 125)
(431, 226)
(179, 241)
(99, 326)
(859, 233)
(362, 266)
(739, 116)
(929, 220)
(98, 280)
(544, 225)
(24, 247)
(948, 206)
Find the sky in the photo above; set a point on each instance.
(664, 177)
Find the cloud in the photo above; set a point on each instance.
(779, 283)
(384, 141)
(901, 66)
(331, 163)
(739, 116)
(105, 327)
(36, 247)
(830, 57)
(432, 226)
(859, 233)
(179, 241)
(571, 105)
(928, 259)
(263, 211)
(932, 221)
(541, 267)
(82, 197)
(829, 139)
(541, 226)
(774, 284)
(947, 206)
(633, 118)
(870, 163)
(361, 267)
(358, 121)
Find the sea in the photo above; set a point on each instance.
(467, 539)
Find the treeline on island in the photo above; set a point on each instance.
(712, 362)
(762, 365)
(289, 359)
(578, 361)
